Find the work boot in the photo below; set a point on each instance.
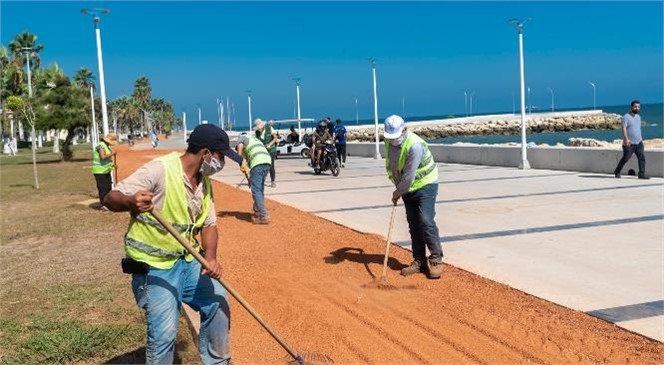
(435, 270)
(644, 177)
(260, 220)
(617, 175)
(414, 268)
(273, 185)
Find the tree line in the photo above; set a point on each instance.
(59, 102)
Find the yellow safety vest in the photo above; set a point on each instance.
(256, 153)
(99, 166)
(426, 172)
(148, 241)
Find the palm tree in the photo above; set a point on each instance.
(26, 40)
(142, 96)
(46, 79)
(84, 78)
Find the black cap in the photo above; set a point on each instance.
(213, 138)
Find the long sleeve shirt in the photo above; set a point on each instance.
(402, 181)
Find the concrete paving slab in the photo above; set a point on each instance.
(589, 242)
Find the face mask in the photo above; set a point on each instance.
(398, 141)
(212, 167)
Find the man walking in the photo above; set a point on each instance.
(102, 166)
(340, 141)
(632, 141)
(164, 274)
(411, 168)
(268, 136)
(255, 152)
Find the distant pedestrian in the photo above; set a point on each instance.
(258, 164)
(340, 141)
(267, 135)
(155, 139)
(411, 168)
(102, 165)
(293, 136)
(632, 141)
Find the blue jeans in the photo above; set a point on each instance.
(420, 213)
(258, 175)
(160, 293)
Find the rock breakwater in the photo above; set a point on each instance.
(498, 126)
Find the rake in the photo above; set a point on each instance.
(312, 358)
(245, 177)
(382, 282)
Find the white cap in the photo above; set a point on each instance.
(394, 126)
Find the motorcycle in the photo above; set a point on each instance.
(329, 160)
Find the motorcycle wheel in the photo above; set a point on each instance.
(305, 153)
(336, 167)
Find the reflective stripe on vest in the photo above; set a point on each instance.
(426, 172)
(256, 153)
(148, 241)
(99, 166)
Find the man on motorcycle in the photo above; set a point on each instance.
(320, 136)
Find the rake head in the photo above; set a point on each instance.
(311, 358)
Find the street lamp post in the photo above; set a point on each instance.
(297, 94)
(530, 103)
(200, 116)
(471, 102)
(513, 104)
(249, 106)
(524, 157)
(375, 93)
(465, 100)
(27, 51)
(594, 95)
(357, 113)
(552, 99)
(96, 16)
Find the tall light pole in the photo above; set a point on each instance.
(249, 106)
(594, 94)
(524, 165)
(184, 126)
(96, 17)
(513, 104)
(297, 94)
(28, 51)
(465, 100)
(357, 113)
(530, 102)
(200, 116)
(471, 102)
(552, 99)
(375, 93)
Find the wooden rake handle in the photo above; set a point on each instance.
(387, 242)
(235, 294)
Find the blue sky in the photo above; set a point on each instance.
(427, 53)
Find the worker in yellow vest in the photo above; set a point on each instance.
(102, 165)
(410, 166)
(163, 273)
(258, 164)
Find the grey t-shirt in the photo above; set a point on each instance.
(404, 180)
(633, 126)
(152, 177)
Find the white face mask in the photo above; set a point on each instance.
(398, 141)
(212, 167)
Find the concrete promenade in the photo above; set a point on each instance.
(585, 241)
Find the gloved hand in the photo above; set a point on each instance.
(395, 197)
(244, 168)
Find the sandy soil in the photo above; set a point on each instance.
(311, 280)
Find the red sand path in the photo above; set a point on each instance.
(305, 276)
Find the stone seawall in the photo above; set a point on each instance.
(500, 125)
